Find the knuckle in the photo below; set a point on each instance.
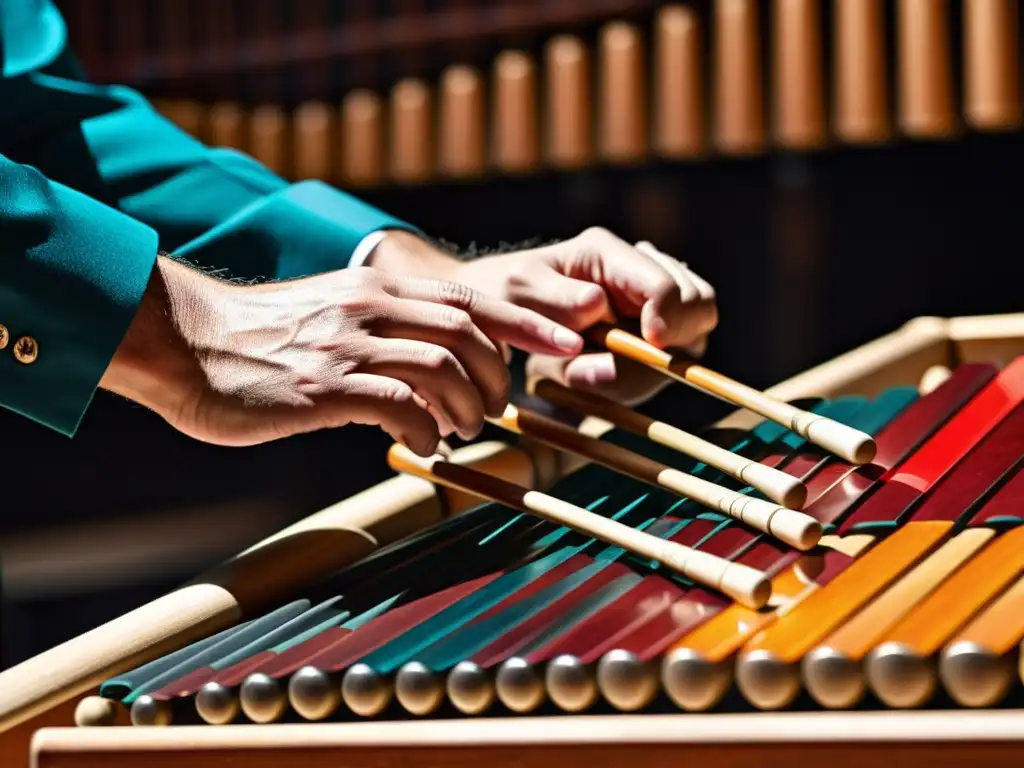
(458, 295)
(365, 277)
(520, 275)
(596, 233)
(396, 393)
(455, 320)
(360, 305)
(438, 359)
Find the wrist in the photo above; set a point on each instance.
(402, 252)
(155, 363)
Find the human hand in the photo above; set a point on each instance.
(594, 277)
(243, 364)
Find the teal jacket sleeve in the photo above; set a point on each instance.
(216, 207)
(72, 273)
(91, 180)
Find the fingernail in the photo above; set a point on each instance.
(445, 423)
(599, 370)
(468, 435)
(566, 339)
(496, 408)
(506, 353)
(656, 329)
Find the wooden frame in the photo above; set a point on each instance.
(912, 740)
(41, 691)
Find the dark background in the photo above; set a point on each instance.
(810, 254)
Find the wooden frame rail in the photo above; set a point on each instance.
(769, 740)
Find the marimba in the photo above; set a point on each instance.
(413, 625)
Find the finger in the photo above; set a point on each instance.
(454, 330)
(683, 276)
(621, 380)
(576, 304)
(436, 375)
(703, 286)
(524, 328)
(683, 318)
(630, 280)
(388, 403)
(444, 425)
(680, 270)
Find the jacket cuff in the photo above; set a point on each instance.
(71, 280)
(306, 229)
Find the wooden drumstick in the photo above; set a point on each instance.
(794, 528)
(623, 127)
(742, 583)
(861, 79)
(679, 126)
(784, 489)
(992, 99)
(314, 141)
(462, 122)
(515, 113)
(227, 127)
(850, 444)
(569, 143)
(412, 153)
(798, 92)
(739, 107)
(925, 69)
(362, 128)
(267, 137)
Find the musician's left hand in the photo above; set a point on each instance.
(594, 277)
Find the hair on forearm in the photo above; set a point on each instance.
(468, 253)
(474, 251)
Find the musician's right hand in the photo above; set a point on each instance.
(238, 364)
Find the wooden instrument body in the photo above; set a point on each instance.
(41, 693)
(912, 740)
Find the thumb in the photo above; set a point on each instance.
(612, 377)
(576, 304)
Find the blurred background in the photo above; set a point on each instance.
(833, 168)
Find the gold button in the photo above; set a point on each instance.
(26, 350)
(5, 336)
